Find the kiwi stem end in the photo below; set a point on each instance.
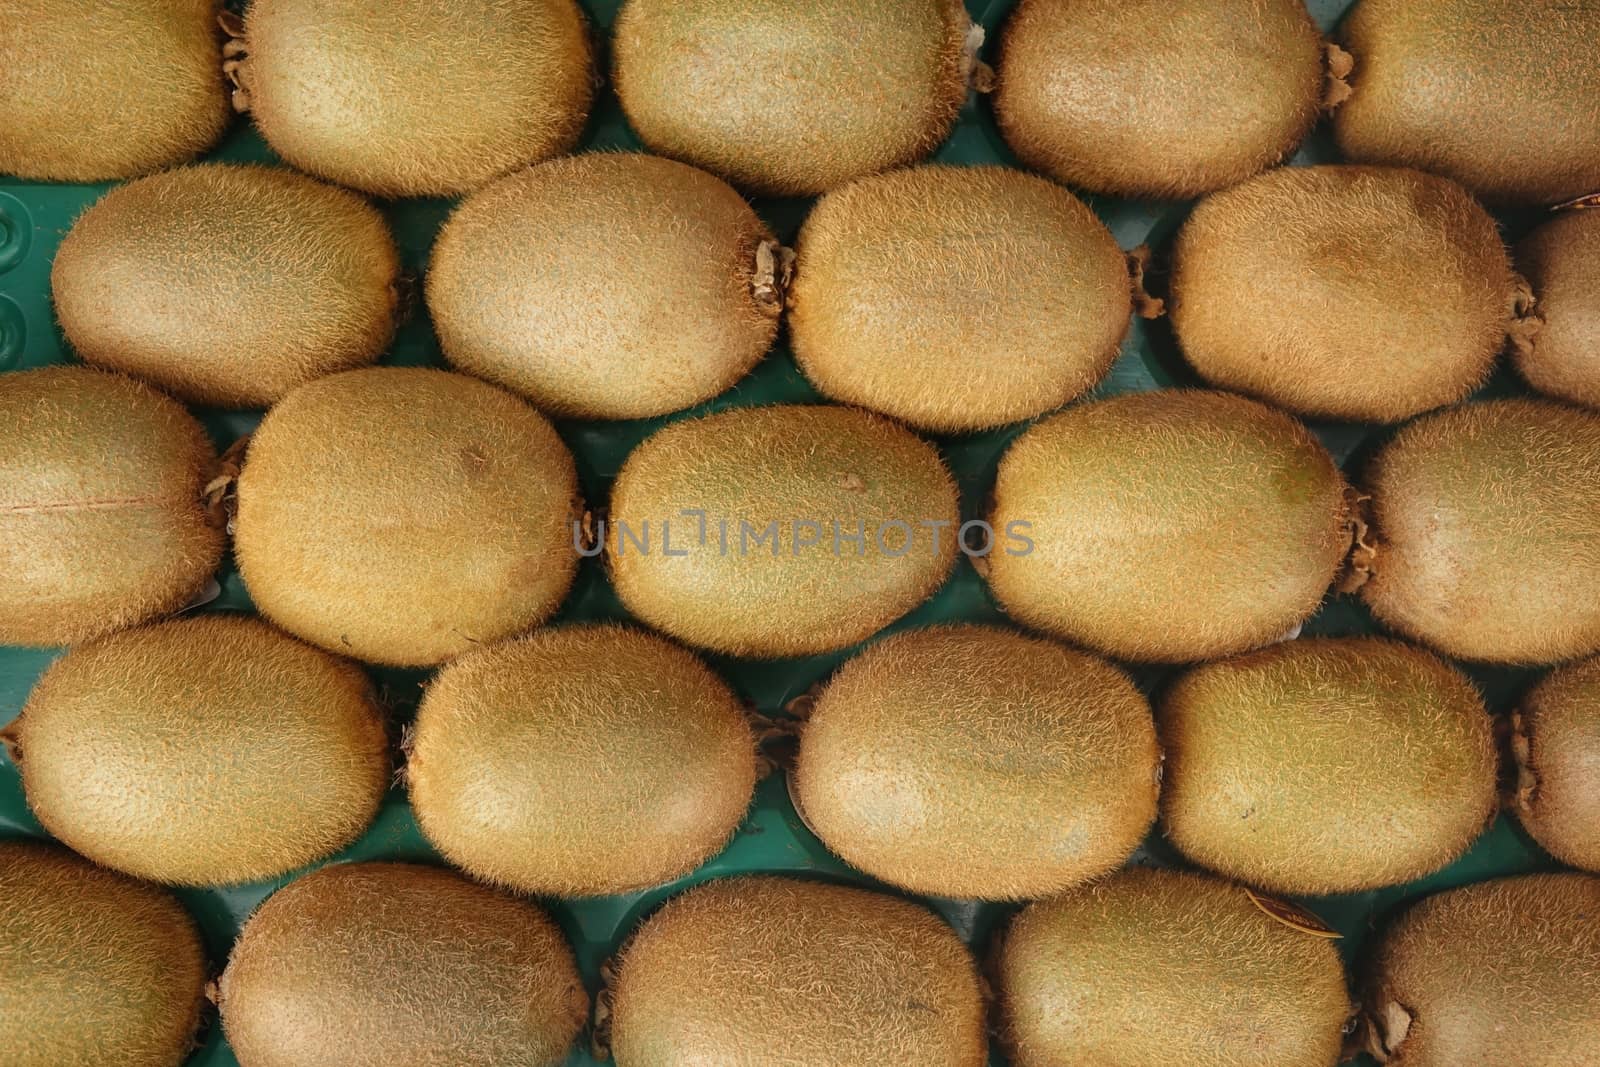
(1338, 64)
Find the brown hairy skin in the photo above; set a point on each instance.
(1504, 98)
(1206, 93)
(402, 515)
(227, 285)
(102, 522)
(91, 92)
(791, 99)
(787, 464)
(970, 761)
(1487, 532)
(376, 964)
(580, 760)
(775, 972)
(1152, 968)
(1501, 972)
(1362, 293)
(430, 99)
(1561, 261)
(1556, 749)
(1168, 526)
(161, 752)
(1326, 765)
(98, 968)
(956, 298)
(603, 286)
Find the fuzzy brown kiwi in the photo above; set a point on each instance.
(971, 761)
(765, 501)
(1555, 748)
(430, 100)
(1504, 98)
(95, 92)
(373, 964)
(402, 515)
(102, 518)
(1485, 539)
(1561, 261)
(792, 99)
(1326, 765)
(1504, 971)
(1167, 526)
(1150, 968)
(227, 285)
(1206, 94)
(580, 760)
(160, 752)
(768, 972)
(956, 298)
(1302, 287)
(607, 286)
(98, 968)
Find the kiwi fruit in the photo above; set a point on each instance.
(1167, 526)
(792, 99)
(402, 515)
(1504, 98)
(768, 972)
(374, 964)
(103, 522)
(1485, 535)
(1206, 94)
(1561, 261)
(1326, 765)
(95, 92)
(780, 531)
(580, 760)
(98, 968)
(1302, 287)
(1504, 971)
(1149, 968)
(1555, 744)
(431, 99)
(956, 298)
(160, 751)
(971, 761)
(227, 285)
(607, 285)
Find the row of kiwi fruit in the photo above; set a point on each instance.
(961, 761)
(418, 518)
(439, 99)
(414, 964)
(953, 299)
(402, 516)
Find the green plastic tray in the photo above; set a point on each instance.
(34, 217)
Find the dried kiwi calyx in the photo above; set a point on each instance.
(1338, 64)
(1364, 546)
(1526, 322)
(1145, 305)
(235, 60)
(773, 273)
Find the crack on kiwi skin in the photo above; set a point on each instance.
(1526, 322)
(1338, 65)
(774, 272)
(600, 1018)
(1365, 547)
(236, 60)
(1145, 305)
(221, 493)
(977, 74)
